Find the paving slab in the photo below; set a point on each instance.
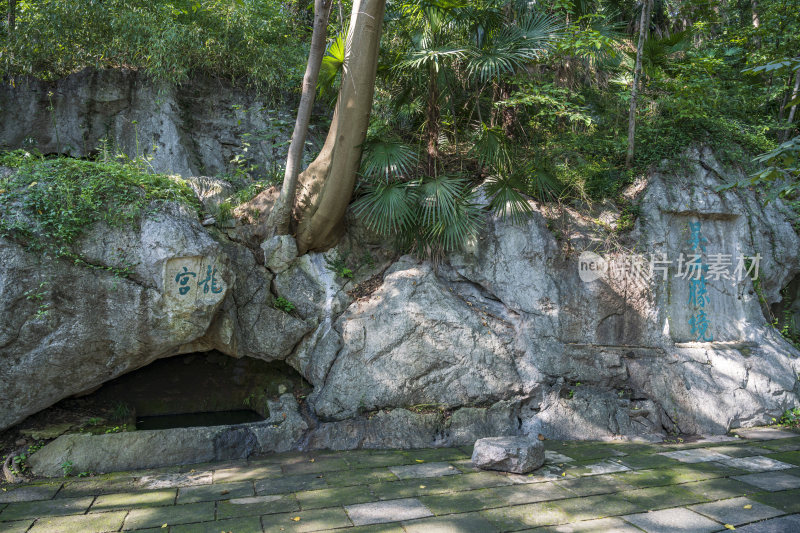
(245, 473)
(696, 455)
(719, 488)
(673, 521)
(90, 523)
(318, 499)
(317, 466)
(28, 493)
(284, 484)
(174, 480)
(756, 463)
(590, 507)
(65, 506)
(661, 497)
(786, 457)
(432, 455)
(316, 520)
(670, 476)
(601, 467)
(387, 511)
(372, 528)
(736, 511)
(463, 523)
(98, 485)
(257, 505)
(554, 457)
(742, 450)
(592, 485)
(525, 516)
(781, 445)
(460, 502)
(537, 492)
(785, 500)
(174, 515)
(219, 491)
(545, 473)
(783, 524)
(771, 481)
(639, 462)
(604, 525)
(376, 458)
(765, 433)
(133, 500)
(20, 526)
(423, 470)
(251, 524)
(359, 477)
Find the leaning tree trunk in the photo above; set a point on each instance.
(280, 217)
(790, 120)
(637, 72)
(432, 117)
(326, 186)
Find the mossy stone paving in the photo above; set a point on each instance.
(751, 483)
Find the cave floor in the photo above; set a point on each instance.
(749, 482)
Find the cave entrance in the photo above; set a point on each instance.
(197, 389)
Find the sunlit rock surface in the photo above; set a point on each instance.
(504, 338)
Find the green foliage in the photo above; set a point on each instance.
(67, 467)
(235, 39)
(790, 418)
(121, 412)
(780, 171)
(430, 215)
(338, 265)
(331, 66)
(47, 204)
(284, 305)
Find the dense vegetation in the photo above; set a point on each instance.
(47, 204)
(531, 96)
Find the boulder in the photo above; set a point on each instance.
(518, 455)
(279, 252)
(66, 328)
(415, 342)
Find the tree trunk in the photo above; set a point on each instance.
(509, 112)
(12, 19)
(326, 186)
(637, 72)
(432, 120)
(790, 120)
(280, 217)
(754, 13)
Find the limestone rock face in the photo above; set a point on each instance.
(518, 455)
(84, 327)
(66, 328)
(509, 319)
(502, 339)
(199, 128)
(414, 342)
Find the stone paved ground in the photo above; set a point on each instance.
(750, 483)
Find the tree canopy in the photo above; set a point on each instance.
(530, 98)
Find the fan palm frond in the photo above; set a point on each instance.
(491, 148)
(437, 198)
(332, 63)
(505, 200)
(388, 159)
(386, 208)
(430, 56)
